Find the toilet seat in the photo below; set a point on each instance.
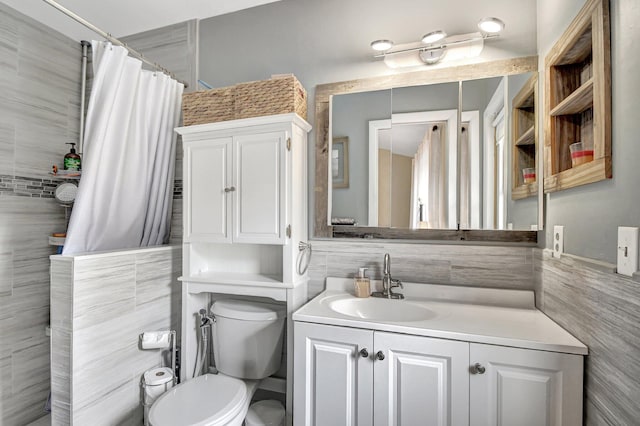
(207, 400)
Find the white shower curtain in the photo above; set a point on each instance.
(125, 194)
(429, 180)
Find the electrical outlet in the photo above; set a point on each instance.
(627, 250)
(558, 240)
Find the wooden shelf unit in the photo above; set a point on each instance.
(578, 99)
(525, 140)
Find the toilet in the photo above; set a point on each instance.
(247, 345)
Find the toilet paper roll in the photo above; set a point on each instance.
(156, 339)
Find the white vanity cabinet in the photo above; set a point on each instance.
(237, 181)
(347, 376)
(333, 373)
(524, 387)
(408, 380)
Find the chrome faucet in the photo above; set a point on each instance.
(388, 283)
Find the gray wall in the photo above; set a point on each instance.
(592, 213)
(39, 104)
(351, 114)
(327, 41)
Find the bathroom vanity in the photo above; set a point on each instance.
(445, 355)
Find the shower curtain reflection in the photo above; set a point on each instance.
(125, 194)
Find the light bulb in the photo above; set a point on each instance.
(433, 36)
(381, 45)
(491, 25)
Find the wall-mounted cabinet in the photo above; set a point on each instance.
(525, 141)
(578, 102)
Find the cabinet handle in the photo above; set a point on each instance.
(477, 368)
(230, 189)
(364, 353)
(380, 356)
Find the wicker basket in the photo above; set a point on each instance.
(279, 95)
(208, 106)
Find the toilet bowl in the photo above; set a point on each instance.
(207, 400)
(247, 339)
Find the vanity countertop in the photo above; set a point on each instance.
(477, 315)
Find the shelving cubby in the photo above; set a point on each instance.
(578, 100)
(525, 140)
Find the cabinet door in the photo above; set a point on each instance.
(259, 199)
(525, 387)
(207, 206)
(421, 381)
(333, 383)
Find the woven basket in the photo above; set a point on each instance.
(269, 97)
(208, 106)
(279, 95)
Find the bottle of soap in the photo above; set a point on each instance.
(72, 160)
(362, 284)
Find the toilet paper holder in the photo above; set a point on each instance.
(161, 340)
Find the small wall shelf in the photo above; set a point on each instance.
(578, 100)
(525, 140)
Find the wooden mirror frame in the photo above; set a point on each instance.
(432, 76)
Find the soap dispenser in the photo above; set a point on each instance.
(72, 159)
(362, 284)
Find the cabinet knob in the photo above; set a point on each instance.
(230, 189)
(477, 368)
(380, 356)
(364, 353)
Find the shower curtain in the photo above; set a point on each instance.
(125, 195)
(429, 181)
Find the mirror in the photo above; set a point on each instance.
(420, 166)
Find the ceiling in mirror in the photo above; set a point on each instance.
(417, 160)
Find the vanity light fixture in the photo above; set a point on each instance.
(436, 45)
(491, 25)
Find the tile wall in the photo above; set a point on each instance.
(485, 266)
(100, 304)
(601, 309)
(39, 103)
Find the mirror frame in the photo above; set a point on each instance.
(323, 95)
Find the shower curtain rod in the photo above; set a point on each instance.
(114, 40)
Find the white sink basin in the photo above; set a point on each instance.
(381, 309)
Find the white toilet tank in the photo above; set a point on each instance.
(247, 338)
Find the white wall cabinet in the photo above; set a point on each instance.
(236, 188)
(412, 380)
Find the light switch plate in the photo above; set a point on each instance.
(558, 240)
(627, 250)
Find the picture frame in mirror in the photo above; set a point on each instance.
(340, 162)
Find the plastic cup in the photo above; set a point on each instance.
(580, 154)
(529, 175)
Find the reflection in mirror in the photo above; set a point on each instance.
(496, 208)
(350, 118)
(409, 167)
(424, 135)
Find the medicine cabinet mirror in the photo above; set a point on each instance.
(431, 156)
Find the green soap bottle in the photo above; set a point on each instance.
(72, 159)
